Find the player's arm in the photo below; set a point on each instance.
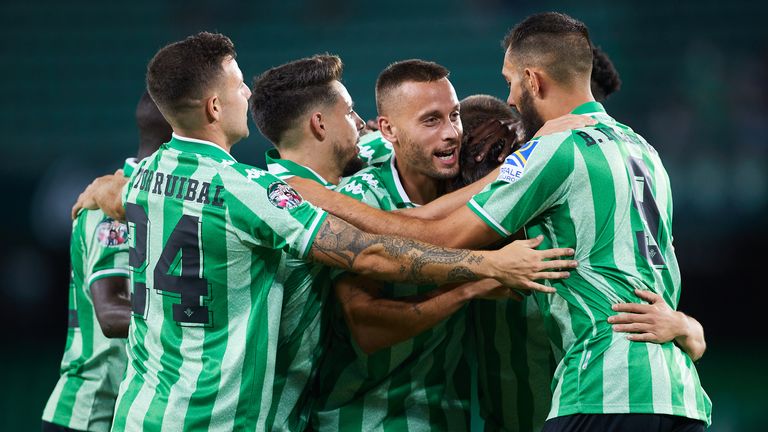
(451, 201)
(376, 322)
(105, 193)
(112, 303)
(399, 259)
(461, 228)
(657, 322)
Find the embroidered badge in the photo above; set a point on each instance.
(283, 196)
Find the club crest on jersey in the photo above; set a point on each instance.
(283, 196)
(111, 233)
(514, 166)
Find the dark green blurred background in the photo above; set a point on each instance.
(694, 76)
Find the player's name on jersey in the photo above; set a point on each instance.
(178, 187)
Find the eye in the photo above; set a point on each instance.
(455, 116)
(430, 121)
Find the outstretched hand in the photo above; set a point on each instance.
(521, 265)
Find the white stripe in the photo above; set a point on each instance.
(227, 396)
(584, 228)
(100, 273)
(472, 203)
(616, 374)
(309, 234)
(660, 381)
(689, 386)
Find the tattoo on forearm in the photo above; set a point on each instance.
(342, 243)
(462, 274)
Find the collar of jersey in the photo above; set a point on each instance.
(392, 179)
(589, 108)
(192, 145)
(285, 169)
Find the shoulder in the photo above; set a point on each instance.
(366, 180)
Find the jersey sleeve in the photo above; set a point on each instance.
(532, 180)
(106, 253)
(269, 211)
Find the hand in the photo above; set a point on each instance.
(490, 289)
(654, 322)
(482, 139)
(520, 265)
(565, 123)
(104, 193)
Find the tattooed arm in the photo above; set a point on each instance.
(398, 259)
(376, 322)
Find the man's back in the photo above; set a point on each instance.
(603, 191)
(208, 235)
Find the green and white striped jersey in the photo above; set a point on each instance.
(303, 321)
(207, 239)
(421, 384)
(603, 191)
(93, 365)
(374, 149)
(515, 364)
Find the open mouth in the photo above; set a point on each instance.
(448, 157)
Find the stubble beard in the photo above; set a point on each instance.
(424, 161)
(529, 117)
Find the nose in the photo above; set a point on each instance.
(359, 123)
(247, 92)
(451, 131)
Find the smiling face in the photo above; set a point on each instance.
(426, 127)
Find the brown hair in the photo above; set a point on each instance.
(284, 93)
(181, 72)
(414, 70)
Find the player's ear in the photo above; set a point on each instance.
(317, 126)
(533, 79)
(213, 108)
(386, 128)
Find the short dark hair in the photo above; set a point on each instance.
(182, 71)
(413, 70)
(284, 93)
(154, 130)
(554, 41)
(476, 110)
(605, 78)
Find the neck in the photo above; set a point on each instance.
(563, 101)
(207, 134)
(319, 163)
(421, 189)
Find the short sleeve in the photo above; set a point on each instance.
(532, 180)
(269, 211)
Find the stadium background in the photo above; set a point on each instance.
(694, 85)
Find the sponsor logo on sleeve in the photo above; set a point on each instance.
(283, 196)
(111, 233)
(513, 167)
